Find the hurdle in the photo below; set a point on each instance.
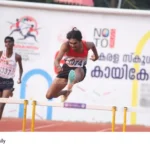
(68, 105)
(72, 105)
(20, 101)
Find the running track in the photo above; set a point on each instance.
(15, 125)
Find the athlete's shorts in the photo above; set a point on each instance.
(66, 70)
(6, 84)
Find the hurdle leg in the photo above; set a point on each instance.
(24, 115)
(124, 119)
(113, 118)
(33, 116)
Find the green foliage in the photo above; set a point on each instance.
(128, 4)
(136, 4)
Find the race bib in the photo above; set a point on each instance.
(6, 72)
(76, 62)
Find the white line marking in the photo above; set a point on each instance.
(107, 129)
(44, 126)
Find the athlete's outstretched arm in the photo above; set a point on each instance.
(60, 55)
(92, 46)
(19, 60)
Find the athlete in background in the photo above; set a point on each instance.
(8, 64)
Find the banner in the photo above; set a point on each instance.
(120, 77)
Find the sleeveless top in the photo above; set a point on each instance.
(75, 59)
(7, 66)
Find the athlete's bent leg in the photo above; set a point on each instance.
(75, 76)
(5, 94)
(1, 104)
(55, 90)
(79, 76)
(12, 90)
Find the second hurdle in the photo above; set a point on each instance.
(72, 105)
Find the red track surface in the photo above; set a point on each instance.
(11, 125)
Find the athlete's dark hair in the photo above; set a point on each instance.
(9, 38)
(74, 34)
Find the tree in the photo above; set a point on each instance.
(128, 4)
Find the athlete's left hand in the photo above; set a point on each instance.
(93, 58)
(19, 81)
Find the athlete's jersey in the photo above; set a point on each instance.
(31, 30)
(17, 24)
(75, 59)
(7, 66)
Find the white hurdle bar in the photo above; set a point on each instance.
(18, 101)
(11, 101)
(93, 107)
(85, 106)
